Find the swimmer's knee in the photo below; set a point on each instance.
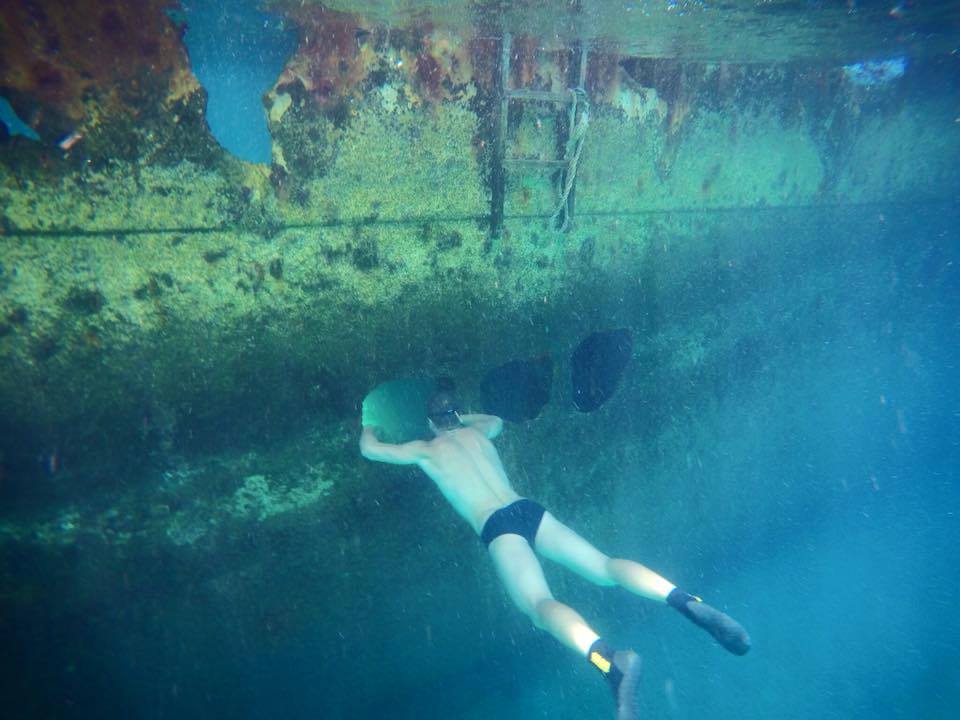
(542, 604)
(536, 609)
(599, 573)
(609, 565)
(546, 611)
(604, 576)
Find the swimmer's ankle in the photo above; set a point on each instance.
(679, 601)
(600, 655)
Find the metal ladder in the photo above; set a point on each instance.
(500, 157)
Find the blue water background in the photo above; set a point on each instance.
(813, 496)
(809, 489)
(237, 51)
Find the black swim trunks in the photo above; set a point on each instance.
(520, 518)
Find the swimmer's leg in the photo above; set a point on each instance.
(556, 541)
(521, 574)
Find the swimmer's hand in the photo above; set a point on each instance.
(369, 436)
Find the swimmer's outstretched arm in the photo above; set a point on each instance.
(489, 425)
(372, 448)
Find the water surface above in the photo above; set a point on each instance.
(730, 30)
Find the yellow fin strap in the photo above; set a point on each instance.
(600, 661)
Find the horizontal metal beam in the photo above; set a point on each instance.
(941, 203)
(533, 161)
(539, 96)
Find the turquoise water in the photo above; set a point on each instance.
(815, 500)
(236, 52)
(783, 439)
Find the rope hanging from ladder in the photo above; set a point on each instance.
(578, 132)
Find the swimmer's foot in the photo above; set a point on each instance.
(725, 630)
(621, 669)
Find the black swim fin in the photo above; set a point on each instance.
(725, 630)
(621, 670)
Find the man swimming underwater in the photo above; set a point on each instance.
(466, 467)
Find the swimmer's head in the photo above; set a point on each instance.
(443, 411)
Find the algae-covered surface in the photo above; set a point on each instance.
(766, 221)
